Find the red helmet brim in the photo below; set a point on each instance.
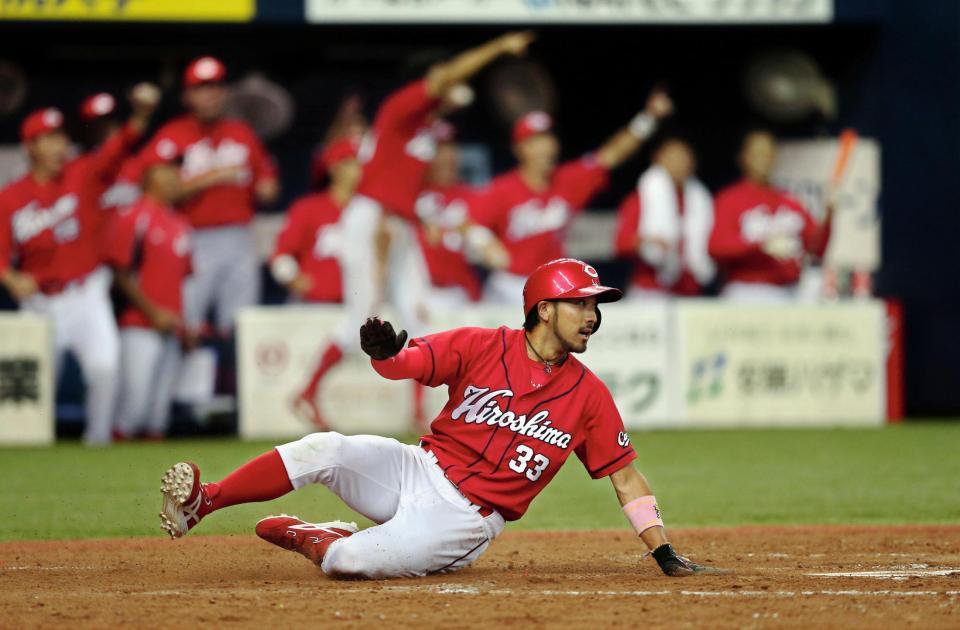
(603, 294)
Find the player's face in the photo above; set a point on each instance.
(207, 101)
(445, 168)
(758, 156)
(163, 183)
(345, 174)
(573, 323)
(677, 158)
(50, 151)
(539, 152)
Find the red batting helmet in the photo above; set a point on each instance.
(204, 70)
(566, 279)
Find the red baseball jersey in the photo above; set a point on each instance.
(626, 240)
(448, 209)
(532, 224)
(509, 425)
(312, 236)
(152, 240)
(747, 215)
(51, 227)
(204, 147)
(399, 149)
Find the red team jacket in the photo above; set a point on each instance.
(52, 227)
(224, 143)
(531, 224)
(446, 260)
(626, 241)
(745, 216)
(153, 241)
(397, 153)
(311, 234)
(508, 425)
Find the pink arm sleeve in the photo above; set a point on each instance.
(409, 363)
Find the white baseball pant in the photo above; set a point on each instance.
(505, 288)
(226, 275)
(404, 280)
(150, 363)
(424, 525)
(83, 324)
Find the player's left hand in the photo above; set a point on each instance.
(659, 104)
(378, 339)
(674, 565)
(144, 98)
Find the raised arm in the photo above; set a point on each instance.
(445, 75)
(640, 508)
(109, 157)
(628, 140)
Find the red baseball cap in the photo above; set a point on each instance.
(204, 70)
(565, 279)
(40, 122)
(336, 151)
(530, 124)
(97, 105)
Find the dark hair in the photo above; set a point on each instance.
(533, 318)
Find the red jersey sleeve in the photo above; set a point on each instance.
(293, 238)
(816, 236)
(726, 241)
(407, 106)
(579, 180)
(448, 353)
(107, 159)
(121, 245)
(605, 448)
(628, 221)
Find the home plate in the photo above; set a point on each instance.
(900, 574)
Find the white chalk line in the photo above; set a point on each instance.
(897, 574)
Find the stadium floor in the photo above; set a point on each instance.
(874, 576)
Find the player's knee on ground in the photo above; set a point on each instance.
(346, 561)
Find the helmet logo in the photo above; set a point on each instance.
(590, 271)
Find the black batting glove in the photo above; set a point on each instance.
(378, 339)
(675, 565)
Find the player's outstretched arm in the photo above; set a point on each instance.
(445, 75)
(640, 507)
(628, 140)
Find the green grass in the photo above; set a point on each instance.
(898, 474)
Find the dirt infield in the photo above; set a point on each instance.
(884, 576)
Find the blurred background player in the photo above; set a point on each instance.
(396, 155)
(531, 207)
(664, 224)
(306, 259)
(450, 243)
(226, 171)
(761, 235)
(150, 253)
(48, 219)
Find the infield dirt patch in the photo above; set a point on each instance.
(589, 579)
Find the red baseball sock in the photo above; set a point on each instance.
(331, 356)
(261, 479)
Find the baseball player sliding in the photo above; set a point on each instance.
(519, 404)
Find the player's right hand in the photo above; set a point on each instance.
(674, 565)
(378, 339)
(164, 321)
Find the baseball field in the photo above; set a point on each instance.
(834, 528)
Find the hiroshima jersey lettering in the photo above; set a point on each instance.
(32, 219)
(480, 406)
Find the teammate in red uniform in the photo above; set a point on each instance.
(150, 253)
(663, 227)
(306, 258)
(530, 208)
(450, 242)
(396, 154)
(47, 225)
(226, 171)
(761, 235)
(519, 404)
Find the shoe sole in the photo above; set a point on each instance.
(175, 486)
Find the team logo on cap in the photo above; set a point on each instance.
(102, 104)
(52, 117)
(538, 121)
(206, 68)
(590, 271)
